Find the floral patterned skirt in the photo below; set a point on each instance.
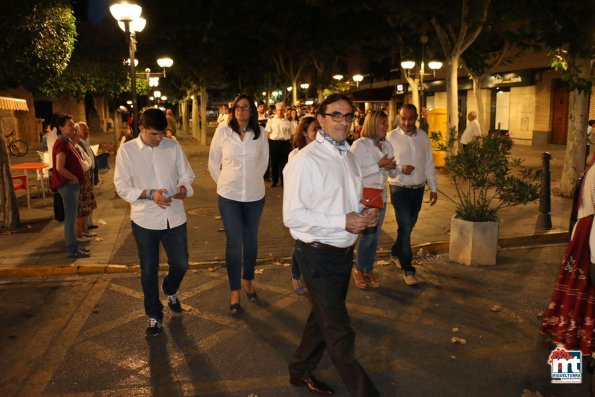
(87, 201)
(569, 315)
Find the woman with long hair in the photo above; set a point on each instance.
(238, 159)
(67, 177)
(376, 160)
(304, 134)
(570, 312)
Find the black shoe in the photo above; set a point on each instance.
(92, 227)
(80, 254)
(173, 302)
(313, 385)
(154, 327)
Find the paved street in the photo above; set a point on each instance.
(84, 335)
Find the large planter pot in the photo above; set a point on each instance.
(473, 243)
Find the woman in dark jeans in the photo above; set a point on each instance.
(67, 177)
(238, 159)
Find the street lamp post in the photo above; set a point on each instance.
(130, 21)
(357, 78)
(409, 64)
(305, 86)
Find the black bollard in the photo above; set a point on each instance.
(544, 220)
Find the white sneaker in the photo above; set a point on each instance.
(410, 279)
(395, 261)
(83, 239)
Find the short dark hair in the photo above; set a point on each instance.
(332, 98)
(409, 106)
(153, 119)
(252, 123)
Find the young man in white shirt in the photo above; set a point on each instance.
(415, 167)
(321, 207)
(154, 176)
(279, 131)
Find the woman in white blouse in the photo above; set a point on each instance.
(238, 159)
(375, 158)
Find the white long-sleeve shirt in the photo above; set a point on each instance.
(321, 185)
(140, 167)
(367, 154)
(415, 150)
(237, 166)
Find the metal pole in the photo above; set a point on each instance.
(132, 49)
(544, 220)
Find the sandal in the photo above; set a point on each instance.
(252, 297)
(299, 290)
(235, 309)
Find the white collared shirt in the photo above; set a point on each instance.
(141, 167)
(237, 166)
(415, 150)
(367, 154)
(279, 129)
(321, 185)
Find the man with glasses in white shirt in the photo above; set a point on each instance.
(279, 131)
(154, 176)
(415, 167)
(321, 207)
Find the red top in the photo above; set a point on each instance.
(72, 163)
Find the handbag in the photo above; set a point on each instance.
(372, 197)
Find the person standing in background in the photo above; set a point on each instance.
(279, 131)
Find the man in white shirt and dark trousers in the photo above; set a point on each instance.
(279, 131)
(415, 167)
(473, 131)
(321, 207)
(154, 176)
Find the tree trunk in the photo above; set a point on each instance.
(195, 117)
(574, 160)
(452, 91)
(203, 114)
(479, 100)
(414, 84)
(184, 112)
(9, 210)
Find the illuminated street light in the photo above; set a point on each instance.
(338, 77)
(357, 78)
(130, 21)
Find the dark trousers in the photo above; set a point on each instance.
(175, 242)
(326, 275)
(407, 204)
(278, 151)
(240, 220)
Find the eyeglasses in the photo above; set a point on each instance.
(243, 107)
(340, 116)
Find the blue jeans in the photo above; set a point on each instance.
(407, 204)
(366, 247)
(70, 194)
(240, 220)
(175, 242)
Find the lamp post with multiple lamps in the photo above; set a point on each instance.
(305, 86)
(416, 79)
(130, 21)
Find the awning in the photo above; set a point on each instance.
(7, 103)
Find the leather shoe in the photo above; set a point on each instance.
(313, 385)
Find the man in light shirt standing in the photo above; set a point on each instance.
(321, 207)
(154, 176)
(473, 131)
(415, 167)
(279, 131)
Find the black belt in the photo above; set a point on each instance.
(326, 247)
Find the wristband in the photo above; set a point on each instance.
(150, 194)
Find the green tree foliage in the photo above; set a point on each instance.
(37, 41)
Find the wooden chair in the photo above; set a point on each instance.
(21, 182)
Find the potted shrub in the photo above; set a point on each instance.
(486, 179)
